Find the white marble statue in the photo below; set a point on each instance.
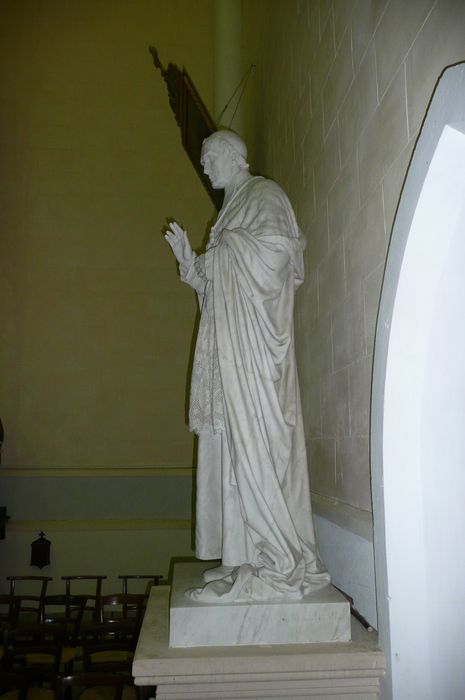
(253, 500)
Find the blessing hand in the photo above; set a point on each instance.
(179, 242)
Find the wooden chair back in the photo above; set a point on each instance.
(92, 594)
(109, 646)
(67, 611)
(154, 578)
(29, 602)
(123, 606)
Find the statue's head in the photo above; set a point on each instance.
(224, 154)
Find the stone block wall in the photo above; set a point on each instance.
(333, 112)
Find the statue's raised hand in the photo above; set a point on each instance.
(179, 242)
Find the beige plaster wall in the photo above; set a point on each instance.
(101, 549)
(95, 327)
(96, 331)
(337, 100)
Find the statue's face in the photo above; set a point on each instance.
(217, 163)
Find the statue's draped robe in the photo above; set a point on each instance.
(253, 500)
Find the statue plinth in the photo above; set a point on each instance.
(339, 670)
(322, 616)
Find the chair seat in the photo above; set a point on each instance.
(35, 661)
(97, 686)
(38, 658)
(32, 694)
(68, 654)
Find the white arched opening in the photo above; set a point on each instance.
(418, 416)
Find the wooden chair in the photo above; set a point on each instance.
(66, 612)
(13, 686)
(154, 578)
(34, 652)
(151, 579)
(42, 580)
(7, 608)
(127, 607)
(110, 646)
(31, 603)
(7, 613)
(91, 685)
(38, 664)
(27, 610)
(108, 650)
(94, 596)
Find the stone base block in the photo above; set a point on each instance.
(340, 671)
(323, 616)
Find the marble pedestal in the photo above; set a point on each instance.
(323, 616)
(339, 671)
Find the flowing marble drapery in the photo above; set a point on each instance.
(253, 500)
